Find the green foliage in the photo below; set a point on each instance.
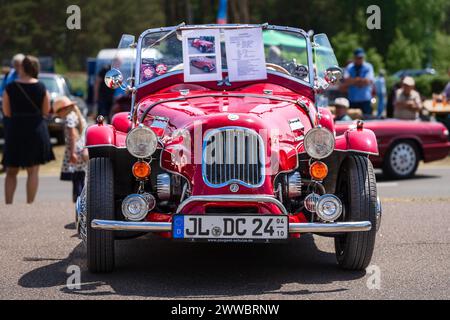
(441, 53)
(403, 54)
(78, 81)
(345, 43)
(414, 32)
(375, 59)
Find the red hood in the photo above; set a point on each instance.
(212, 111)
(268, 117)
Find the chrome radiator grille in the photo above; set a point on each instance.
(233, 155)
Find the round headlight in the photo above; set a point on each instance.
(135, 207)
(142, 142)
(319, 143)
(329, 207)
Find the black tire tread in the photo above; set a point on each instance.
(363, 195)
(100, 205)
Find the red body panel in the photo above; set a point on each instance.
(191, 118)
(429, 136)
(121, 122)
(199, 115)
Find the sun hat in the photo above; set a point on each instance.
(409, 81)
(341, 102)
(61, 103)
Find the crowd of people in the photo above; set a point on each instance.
(360, 87)
(26, 106)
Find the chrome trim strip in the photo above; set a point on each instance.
(330, 227)
(233, 198)
(350, 150)
(104, 145)
(110, 225)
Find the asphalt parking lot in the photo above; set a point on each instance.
(38, 244)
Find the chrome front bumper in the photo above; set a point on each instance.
(110, 225)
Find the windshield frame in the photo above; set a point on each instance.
(181, 27)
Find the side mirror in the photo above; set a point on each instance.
(114, 79)
(333, 75)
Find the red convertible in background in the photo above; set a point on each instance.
(402, 144)
(206, 64)
(203, 45)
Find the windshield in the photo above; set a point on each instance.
(285, 51)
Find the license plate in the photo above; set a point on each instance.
(230, 228)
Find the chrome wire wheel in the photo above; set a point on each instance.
(403, 159)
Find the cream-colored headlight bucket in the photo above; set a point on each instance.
(142, 142)
(319, 143)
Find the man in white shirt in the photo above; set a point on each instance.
(407, 104)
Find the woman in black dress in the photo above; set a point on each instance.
(27, 142)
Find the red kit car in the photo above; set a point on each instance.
(203, 45)
(214, 161)
(402, 144)
(206, 64)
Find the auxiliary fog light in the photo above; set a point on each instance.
(329, 207)
(135, 207)
(311, 202)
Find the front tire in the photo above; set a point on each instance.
(402, 160)
(357, 184)
(100, 205)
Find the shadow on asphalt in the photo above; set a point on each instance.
(70, 226)
(382, 178)
(158, 268)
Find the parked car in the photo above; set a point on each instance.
(214, 161)
(203, 45)
(414, 72)
(204, 63)
(403, 144)
(58, 86)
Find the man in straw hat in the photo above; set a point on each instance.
(407, 104)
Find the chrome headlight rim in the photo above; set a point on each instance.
(129, 142)
(307, 141)
(143, 202)
(320, 207)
